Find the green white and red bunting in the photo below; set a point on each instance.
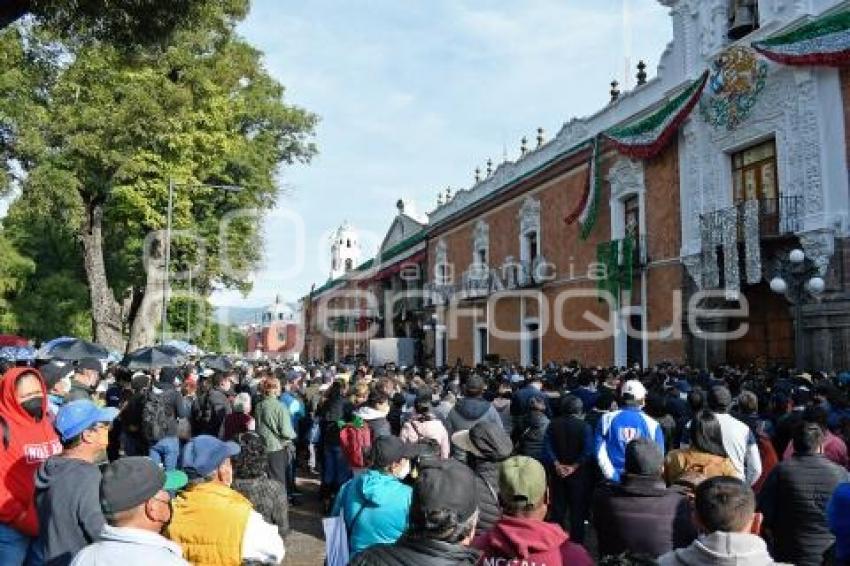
(823, 41)
(588, 207)
(641, 139)
(646, 137)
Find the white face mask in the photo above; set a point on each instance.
(404, 471)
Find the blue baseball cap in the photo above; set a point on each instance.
(75, 417)
(204, 454)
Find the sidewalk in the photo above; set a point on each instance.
(305, 545)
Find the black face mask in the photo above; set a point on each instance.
(34, 407)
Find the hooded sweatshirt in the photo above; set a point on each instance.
(721, 549)
(465, 414)
(30, 442)
(518, 541)
(375, 506)
(67, 494)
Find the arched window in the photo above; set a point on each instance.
(349, 264)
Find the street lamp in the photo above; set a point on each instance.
(165, 280)
(797, 280)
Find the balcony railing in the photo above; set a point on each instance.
(776, 216)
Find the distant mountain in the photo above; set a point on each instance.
(237, 315)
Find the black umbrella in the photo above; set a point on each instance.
(75, 350)
(216, 363)
(154, 357)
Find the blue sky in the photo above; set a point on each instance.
(414, 94)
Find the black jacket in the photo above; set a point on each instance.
(530, 437)
(569, 436)
(67, 495)
(793, 500)
(418, 552)
(174, 402)
(209, 413)
(487, 485)
(332, 411)
(643, 516)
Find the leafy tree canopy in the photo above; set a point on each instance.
(91, 135)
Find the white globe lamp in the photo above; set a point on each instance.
(816, 285)
(797, 256)
(778, 285)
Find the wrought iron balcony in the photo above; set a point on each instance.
(775, 216)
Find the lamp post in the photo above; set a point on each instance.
(165, 279)
(797, 280)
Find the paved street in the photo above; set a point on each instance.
(304, 545)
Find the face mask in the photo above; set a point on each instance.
(57, 400)
(34, 407)
(404, 471)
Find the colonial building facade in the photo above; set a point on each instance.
(379, 298)
(700, 218)
(701, 183)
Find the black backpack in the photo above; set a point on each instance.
(202, 414)
(157, 416)
(429, 448)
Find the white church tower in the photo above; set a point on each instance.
(345, 250)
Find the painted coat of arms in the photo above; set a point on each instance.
(737, 79)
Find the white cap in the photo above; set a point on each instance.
(635, 389)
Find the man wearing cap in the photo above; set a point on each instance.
(375, 504)
(67, 486)
(617, 428)
(443, 513)
(486, 446)
(134, 496)
(212, 522)
(469, 410)
(86, 375)
(522, 536)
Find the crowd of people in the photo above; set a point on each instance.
(488, 465)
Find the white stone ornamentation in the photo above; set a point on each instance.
(480, 240)
(626, 177)
(529, 216)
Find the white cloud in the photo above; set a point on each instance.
(414, 95)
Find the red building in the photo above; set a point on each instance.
(276, 335)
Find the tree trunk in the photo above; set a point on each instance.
(148, 312)
(105, 309)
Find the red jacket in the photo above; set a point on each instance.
(30, 443)
(515, 541)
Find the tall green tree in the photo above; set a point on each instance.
(14, 270)
(102, 131)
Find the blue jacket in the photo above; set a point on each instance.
(615, 430)
(375, 507)
(838, 519)
(297, 411)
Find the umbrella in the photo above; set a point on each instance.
(185, 347)
(8, 340)
(14, 353)
(72, 349)
(217, 363)
(154, 357)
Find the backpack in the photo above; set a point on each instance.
(157, 416)
(202, 415)
(355, 440)
(429, 448)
